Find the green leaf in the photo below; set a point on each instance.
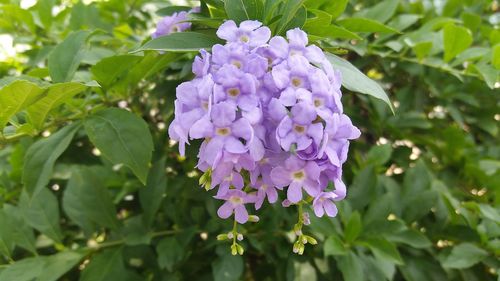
(153, 193)
(86, 199)
(24, 270)
(464, 255)
(135, 232)
(169, 252)
(381, 12)
(490, 212)
(123, 138)
(356, 81)
(422, 49)
(410, 237)
(6, 235)
(240, 10)
(227, 268)
(351, 267)
(57, 265)
(336, 8)
(22, 233)
(15, 97)
(379, 154)
(56, 95)
(365, 25)
(108, 70)
(353, 227)
(64, 59)
(41, 156)
(495, 59)
(291, 11)
(45, 12)
(383, 249)
(456, 40)
(489, 74)
(181, 42)
(42, 213)
(333, 246)
(362, 190)
(107, 266)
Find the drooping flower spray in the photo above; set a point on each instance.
(270, 115)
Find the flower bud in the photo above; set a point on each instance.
(222, 237)
(253, 218)
(230, 235)
(239, 237)
(234, 250)
(311, 240)
(240, 249)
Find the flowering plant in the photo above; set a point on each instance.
(270, 115)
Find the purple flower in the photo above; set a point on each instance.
(265, 188)
(250, 33)
(323, 203)
(297, 174)
(270, 115)
(339, 130)
(193, 102)
(235, 203)
(223, 132)
(299, 129)
(171, 24)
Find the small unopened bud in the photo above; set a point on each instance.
(239, 237)
(304, 239)
(230, 235)
(240, 249)
(222, 237)
(253, 218)
(311, 240)
(301, 249)
(234, 250)
(306, 219)
(297, 228)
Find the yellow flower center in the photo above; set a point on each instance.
(299, 129)
(223, 131)
(299, 175)
(233, 92)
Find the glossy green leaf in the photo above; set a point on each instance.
(152, 194)
(42, 213)
(495, 60)
(181, 42)
(456, 39)
(123, 138)
(351, 267)
(87, 201)
(6, 235)
(464, 255)
(411, 237)
(108, 70)
(381, 12)
(55, 96)
(353, 227)
(24, 270)
(336, 8)
(356, 81)
(15, 97)
(44, 8)
(42, 155)
(169, 252)
(365, 25)
(240, 10)
(22, 234)
(333, 246)
(384, 249)
(107, 266)
(65, 58)
(227, 268)
(57, 265)
(291, 11)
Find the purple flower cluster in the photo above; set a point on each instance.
(177, 22)
(270, 116)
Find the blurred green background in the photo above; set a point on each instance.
(422, 198)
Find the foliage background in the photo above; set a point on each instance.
(422, 201)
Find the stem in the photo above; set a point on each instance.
(235, 232)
